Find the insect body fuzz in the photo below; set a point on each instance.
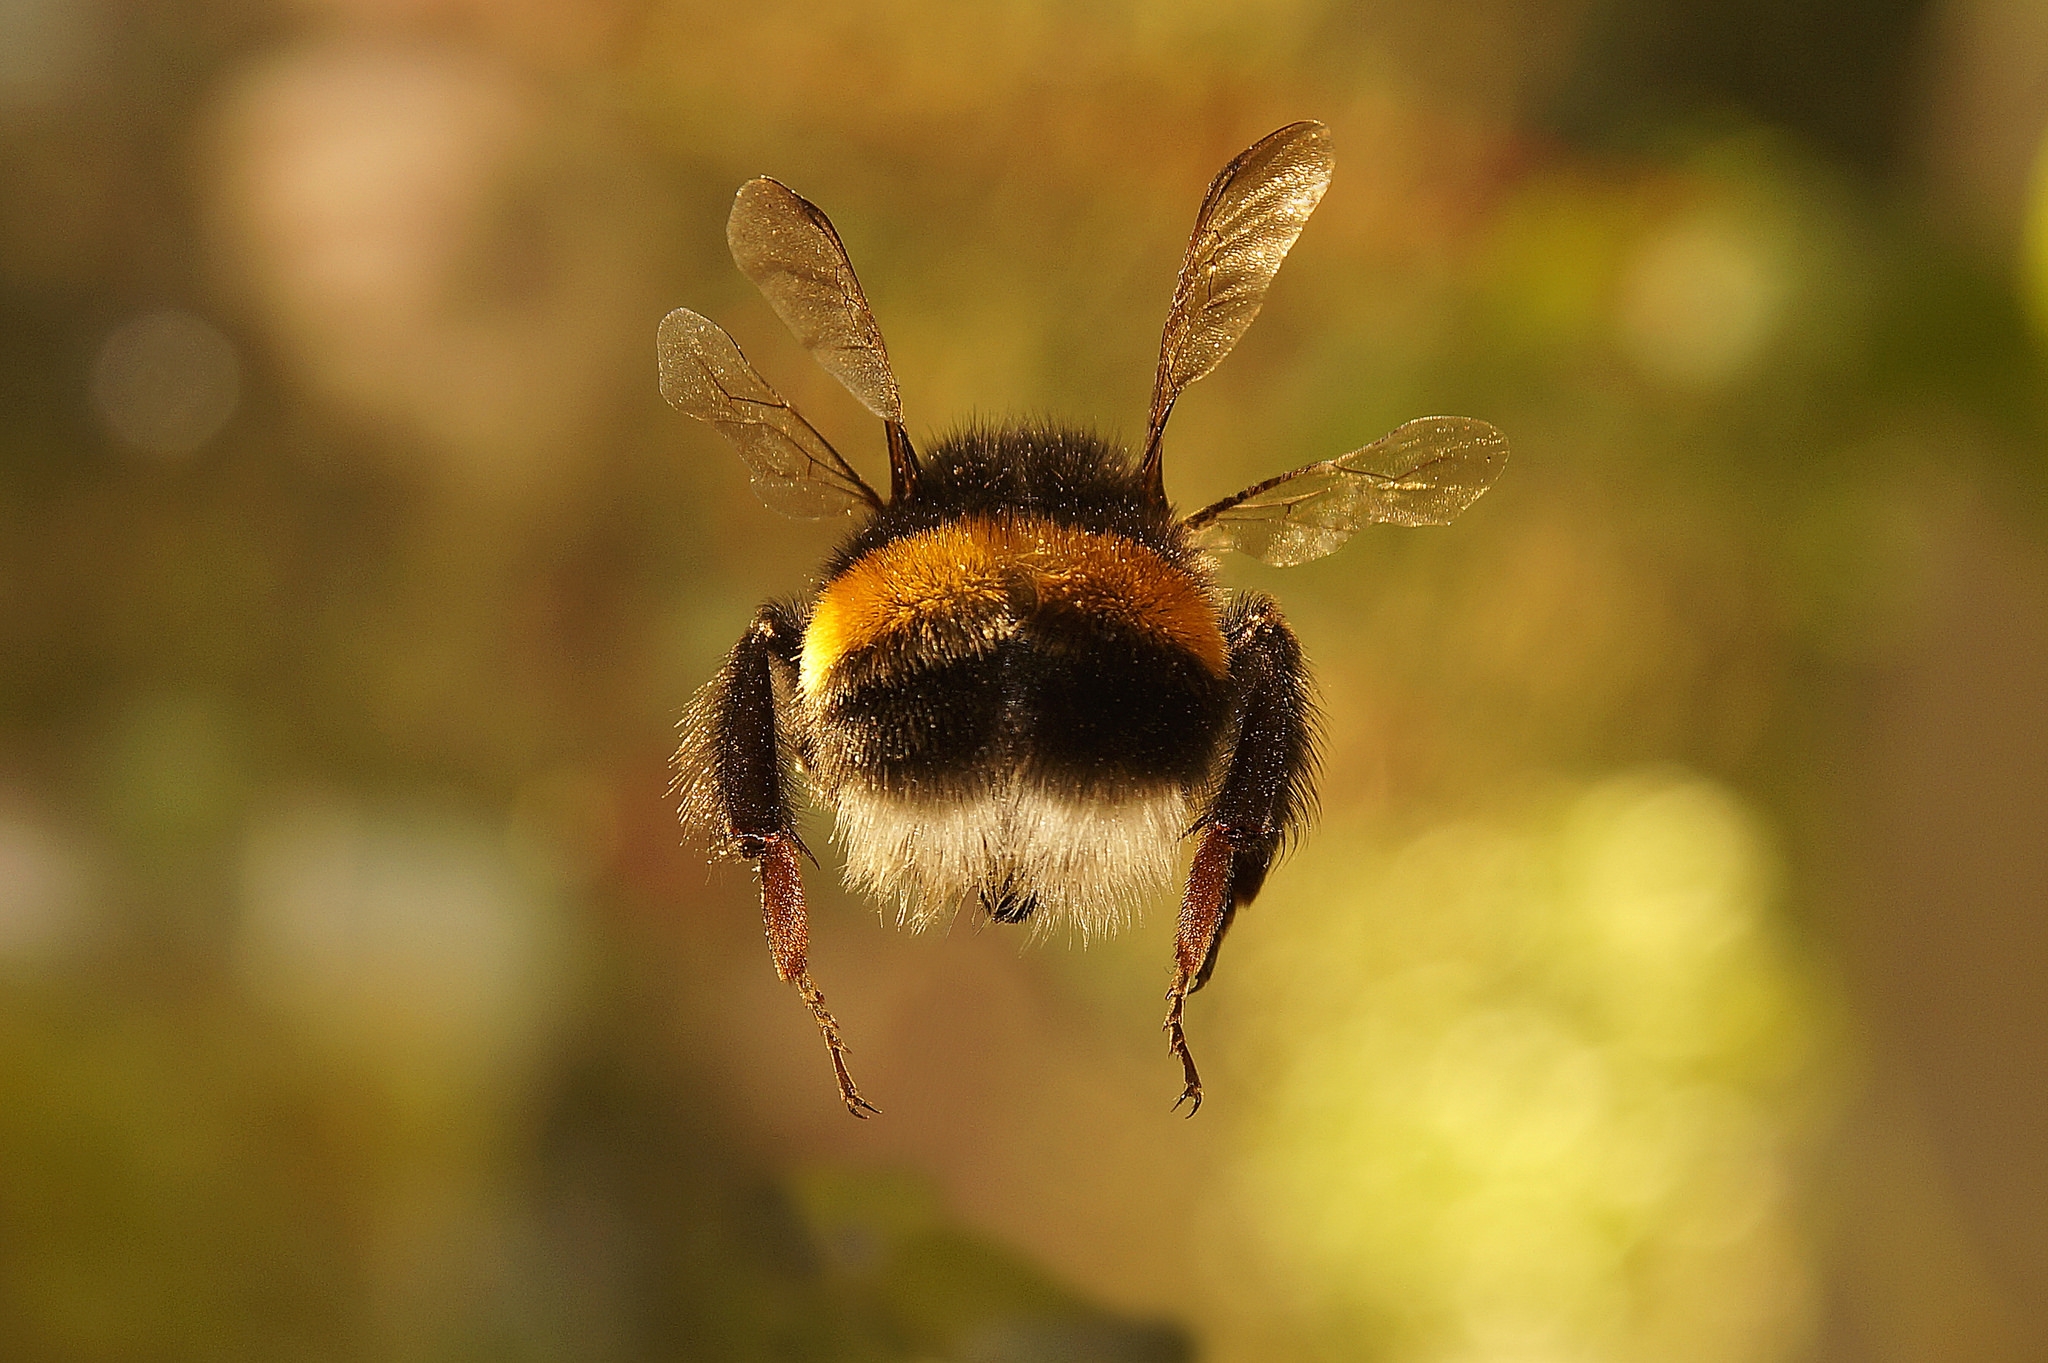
(1016, 689)
(1018, 686)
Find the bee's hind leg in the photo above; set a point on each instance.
(1266, 791)
(782, 906)
(749, 756)
(1203, 911)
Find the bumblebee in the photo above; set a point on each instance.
(1018, 685)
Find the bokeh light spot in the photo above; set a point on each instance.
(45, 879)
(407, 938)
(166, 382)
(1699, 302)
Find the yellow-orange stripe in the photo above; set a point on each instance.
(971, 570)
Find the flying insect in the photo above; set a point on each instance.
(1017, 685)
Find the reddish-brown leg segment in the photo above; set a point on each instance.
(733, 769)
(1265, 791)
(782, 907)
(1201, 917)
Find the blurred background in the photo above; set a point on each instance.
(1667, 978)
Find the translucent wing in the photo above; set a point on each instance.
(1423, 473)
(1249, 220)
(786, 245)
(794, 470)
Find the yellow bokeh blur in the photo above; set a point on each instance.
(1662, 979)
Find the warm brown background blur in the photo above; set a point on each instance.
(1667, 980)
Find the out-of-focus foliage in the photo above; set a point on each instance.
(1557, 1108)
(1663, 981)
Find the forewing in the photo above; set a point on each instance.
(1423, 473)
(1249, 220)
(786, 245)
(794, 470)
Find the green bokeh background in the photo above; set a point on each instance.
(1664, 979)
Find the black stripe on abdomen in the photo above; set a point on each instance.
(1065, 701)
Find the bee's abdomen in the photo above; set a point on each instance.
(1018, 644)
(1109, 702)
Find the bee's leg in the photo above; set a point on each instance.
(1202, 912)
(750, 777)
(782, 906)
(1266, 790)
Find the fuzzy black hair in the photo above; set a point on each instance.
(1064, 474)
